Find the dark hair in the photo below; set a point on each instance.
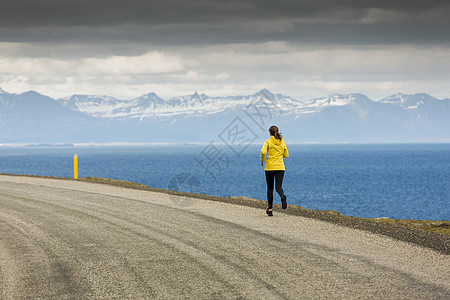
(274, 131)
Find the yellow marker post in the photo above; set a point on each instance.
(75, 166)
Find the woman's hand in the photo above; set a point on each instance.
(262, 164)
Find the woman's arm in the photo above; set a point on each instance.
(264, 152)
(285, 152)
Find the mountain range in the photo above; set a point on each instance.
(354, 118)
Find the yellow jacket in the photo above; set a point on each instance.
(275, 149)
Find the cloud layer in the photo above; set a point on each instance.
(173, 47)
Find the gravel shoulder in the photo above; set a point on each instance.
(419, 232)
(427, 233)
(78, 239)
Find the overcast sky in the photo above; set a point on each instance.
(304, 49)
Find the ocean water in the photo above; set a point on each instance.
(410, 181)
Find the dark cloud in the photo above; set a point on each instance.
(200, 22)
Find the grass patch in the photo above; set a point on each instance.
(441, 227)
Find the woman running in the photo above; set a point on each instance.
(276, 149)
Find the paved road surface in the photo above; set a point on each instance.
(63, 239)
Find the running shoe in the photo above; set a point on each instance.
(283, 202)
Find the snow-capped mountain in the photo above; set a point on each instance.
(151, 106)
(333, 100)
(421, 106)
(412, 101)
(32, 117)
(110, 107)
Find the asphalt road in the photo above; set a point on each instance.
(62, 239)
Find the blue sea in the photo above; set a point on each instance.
(404, 181)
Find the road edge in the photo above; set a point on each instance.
(424, 238)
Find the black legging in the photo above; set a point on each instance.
(270, 176)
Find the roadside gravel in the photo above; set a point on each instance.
(438, 242)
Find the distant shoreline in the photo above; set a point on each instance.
(404, 231)
(130, 144)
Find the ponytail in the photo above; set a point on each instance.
(274, 131)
